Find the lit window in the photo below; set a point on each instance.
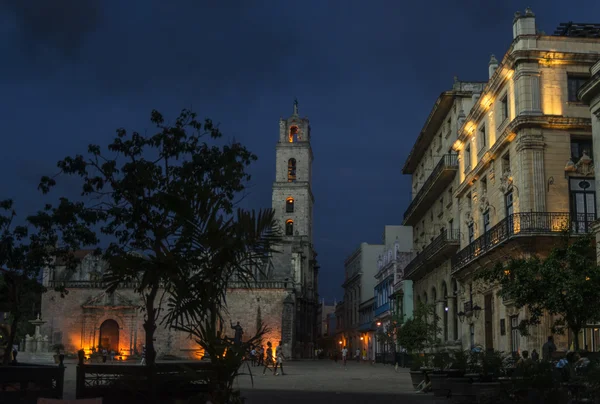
(292, 170)
(289, 227)
(293, 136)
(289, 205)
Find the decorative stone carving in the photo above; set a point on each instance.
(506, 181)
(484, 203)
(492, 174)
(585, 166)
(474, 196)
(468, 218)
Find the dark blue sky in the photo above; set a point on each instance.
(365, 73)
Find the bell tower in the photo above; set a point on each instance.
(292, 190)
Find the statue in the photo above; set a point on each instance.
(295, 106)
(239, 331)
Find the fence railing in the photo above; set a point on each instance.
(26, 383)
(448, 161)
(519, 224)
(445, 237)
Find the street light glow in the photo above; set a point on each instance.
(379, 324)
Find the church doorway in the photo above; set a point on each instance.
(109, 335)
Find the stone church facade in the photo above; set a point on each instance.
(284, 296)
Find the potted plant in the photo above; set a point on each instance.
(416, 374)
(490, 366)
(416, 335)
(60, 352)
(459, 381)
(439, 375)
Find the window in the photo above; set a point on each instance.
(579, 147)
(440, 141)
(486, 221)
(450, 225)
(467, 158)
(292, 170)
(583, 204)
(505, 163)
(449, 125)
(450, 198)
(293, 136)
(481, 140)
(514, 333)
(483, 185)
(289, 227)
(503, 109)
(471, 233)
(574, 82)
(441, 206)
(469, 200)
(508, 202)
(289, 205)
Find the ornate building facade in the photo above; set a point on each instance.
(283, 297)
(519, 170)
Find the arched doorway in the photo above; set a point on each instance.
(109, 335)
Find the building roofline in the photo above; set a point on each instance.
(440, 109)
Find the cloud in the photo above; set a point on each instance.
(59, 25)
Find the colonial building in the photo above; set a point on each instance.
(590, 93)
(433, 211)
(284, 296)
(360, 270)
(397, 240)
(325, 333)
(523, 174)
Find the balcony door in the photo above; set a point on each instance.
(583, 204)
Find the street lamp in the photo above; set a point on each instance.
(379, 324)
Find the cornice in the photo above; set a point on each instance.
(591, 89)
(503, 74)
(509, 134)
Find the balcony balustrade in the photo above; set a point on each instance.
(381, 309)
(440, 249)
(522, 225)
(440, 177)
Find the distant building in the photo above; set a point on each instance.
(360, 269)
(325, 330)
(397, 241)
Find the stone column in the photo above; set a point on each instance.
(451, 306)
(439, 310)
(532, 187)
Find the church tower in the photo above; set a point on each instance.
(292, 190)
(296, 263)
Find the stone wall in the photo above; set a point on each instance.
(77, 327)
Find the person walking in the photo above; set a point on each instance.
(279, 360)
(357, 355)
(548, 349)
(143, 362)
(253, 356)
(104, 355)
(269, 358)
(344, 356)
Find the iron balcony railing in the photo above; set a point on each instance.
(381, 309)
(521, 224)
(445, 237)
(447, 162)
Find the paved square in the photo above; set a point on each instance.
(315, 382)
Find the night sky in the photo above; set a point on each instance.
(366, 73)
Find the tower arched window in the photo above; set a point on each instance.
(289, 227)
(289, 205)
(293, 135)
(292, 170)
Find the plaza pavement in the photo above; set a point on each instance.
(314, 382)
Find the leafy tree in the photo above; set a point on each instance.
(144, 191)
(421, 331)
(50, 234)
(220, 247)
(565, 285)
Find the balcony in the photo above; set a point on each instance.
(441, 176)
(533, 225)
(439, 250)
(382, 309)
